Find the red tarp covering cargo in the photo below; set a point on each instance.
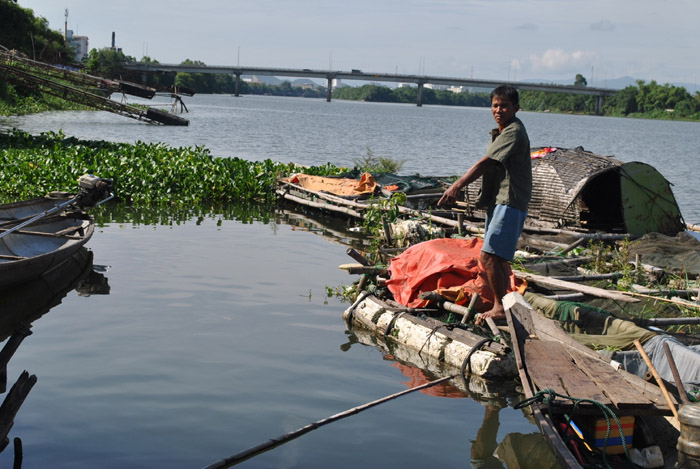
(449, 266)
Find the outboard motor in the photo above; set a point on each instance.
(93, 191)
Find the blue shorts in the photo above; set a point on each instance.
(503, 227)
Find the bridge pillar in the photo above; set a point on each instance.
(419, 101)
(330, 89)
(237, 85)
(599, 105)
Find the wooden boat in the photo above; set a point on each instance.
(549, 361)
(27, 252)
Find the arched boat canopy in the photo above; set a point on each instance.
(579, 190)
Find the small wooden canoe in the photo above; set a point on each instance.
(44, 244)
(549, 361)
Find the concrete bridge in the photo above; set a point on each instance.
(330, 75)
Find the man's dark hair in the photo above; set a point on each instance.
(508, 92)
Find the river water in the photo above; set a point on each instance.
(205, 334)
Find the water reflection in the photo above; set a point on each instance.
(169, 216)
(23, 304)
(515, 450)
(331, 228)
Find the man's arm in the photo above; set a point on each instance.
(474, 173)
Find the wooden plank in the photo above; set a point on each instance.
(515, 313)
(594, 291)
(551, 330)
(607, 379)
(550, 366)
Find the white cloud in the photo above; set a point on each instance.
(558, 60)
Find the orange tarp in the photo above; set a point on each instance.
(449, 266)
(338, 186)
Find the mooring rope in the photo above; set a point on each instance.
(548, 396)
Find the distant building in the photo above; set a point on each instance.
(435, 87)
(304, 86)
(78, 43)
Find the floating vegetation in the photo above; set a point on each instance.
(143, 173)
(378, 164)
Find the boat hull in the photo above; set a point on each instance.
(43, 245)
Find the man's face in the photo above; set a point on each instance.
(503, 111)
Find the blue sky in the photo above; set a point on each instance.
(488, 39)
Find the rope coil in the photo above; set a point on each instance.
(548, 396)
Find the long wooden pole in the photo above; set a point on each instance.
(656, 377)
(589, 290)
(676, 375)
(660, 298)
(280, 440)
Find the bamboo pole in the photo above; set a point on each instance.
(644, 322)
(572, 246)
(660, 298)
(676, 375)
(589, 290)
(282, 439)
(585, 278)
(332, 208)
(357, 255)
(656, 377)
(363, 269)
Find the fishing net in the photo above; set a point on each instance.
(679, 254)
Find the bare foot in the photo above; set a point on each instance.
(494, 313)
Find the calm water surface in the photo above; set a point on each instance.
(216, 334)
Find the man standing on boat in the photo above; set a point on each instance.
(506, 189)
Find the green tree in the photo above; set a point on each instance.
(107, 63)
(158, 80)
(623, 103)
(22, 31)
(200, 82)
(580, 81)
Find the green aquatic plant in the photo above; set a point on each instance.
(143, 173)
(378, 164)
(381, 213)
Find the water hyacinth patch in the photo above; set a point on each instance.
(143, 173)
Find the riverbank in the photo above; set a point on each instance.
(13, 103)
